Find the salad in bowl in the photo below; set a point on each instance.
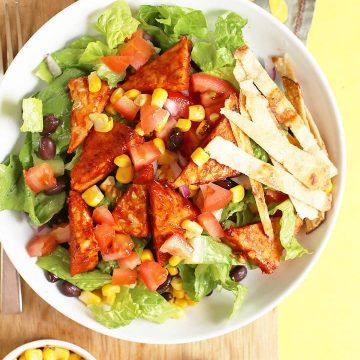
(162, 162)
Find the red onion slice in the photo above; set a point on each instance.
(185, 191)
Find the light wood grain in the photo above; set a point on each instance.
(257, 341)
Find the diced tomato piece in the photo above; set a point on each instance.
(40, 177)
(273, 196)
(102, 215)
(178, 246)
(138, 50)
(124, 276)
(116, 63)
(145, 175)
(152, 274)
(151, 116)
(126, 107)
(144, 154)
(105, 236)
(177, 104)
(215, 197)
(211, 98)
(42, 245)
(190, 142)
(62, 233)
(164, 133)
(130, 262)
(203, 82)
(212, 226)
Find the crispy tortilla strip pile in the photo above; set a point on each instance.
(83, 245)
(169, 210)
(85, 103)
(99, 151)
(131, 212)
(211, 171)
(171, 70)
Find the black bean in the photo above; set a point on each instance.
(47, 148)
(59, 187)
(50, 124)
(226, 183)
(165, 285)
(175, 139)
(51, 277)
(238, 273)
(69, 289)
(167, 296)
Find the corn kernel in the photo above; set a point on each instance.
(110, 289)
(132, 94)
(213, 117)
(74, 357)
(33, 354)
(160, 144)
(125, 175)
(173, 270)
(89, 298)
(200, 156)
(62, 354)
(102, 123)
(159, 97)
(94, 82)
(329, 188)
(189, 234)
(49, 354)
(181, 302)
(116, 95)
(147, 255)
(92, 196)
(142, 99)
(191, 302)
(110, 109)
(238, 193)
(178, 294)
(193, 190)
(163, 121)
(184, 124)
(167, 158)
(174, 261)
(122, 161)
(192, 226)
(108, 183)
(203, 128)
(139, 130)
(196, 113)
(177, 283)
(109, 300)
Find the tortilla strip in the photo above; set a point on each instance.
(279, 104)
(225, 152)
(243, 142)
(305, 167)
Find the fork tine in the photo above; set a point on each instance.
(18, 25)
(9, 47)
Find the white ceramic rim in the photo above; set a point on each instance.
(49, 342)
(335, 210)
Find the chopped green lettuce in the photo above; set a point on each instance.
(32, 115)
(93, 52)
(116, 23)
(109, 76)
(140, 244)
(107, 267)
(70, 165)
(259, 152)
(167, 23)
(59, 262)
(225, 73)
(287, 229)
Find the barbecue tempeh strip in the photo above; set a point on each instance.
(225, 152)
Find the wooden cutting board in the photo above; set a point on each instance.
(257, 341)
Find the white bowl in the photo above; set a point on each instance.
(49, 342)
(266, 36)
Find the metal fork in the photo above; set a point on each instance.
(10, 286)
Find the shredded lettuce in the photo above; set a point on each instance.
(167, 23)
(32, 115)
(259, 152)
(107, 267)
(93, 52)
(116, 23)
(287, 229)
(58, 263)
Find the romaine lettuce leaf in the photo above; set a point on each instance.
(109, 76)
(32, 115)
(59, 262)
(239, 290)
(94, 50)
(259, 152)
(122, 312)
(107, 267)
(287, 223)
(116, 23)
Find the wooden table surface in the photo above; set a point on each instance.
(257, 341)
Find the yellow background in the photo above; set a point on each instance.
(321, 319)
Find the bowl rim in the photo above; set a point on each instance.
(341, 180)
(49, 342)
